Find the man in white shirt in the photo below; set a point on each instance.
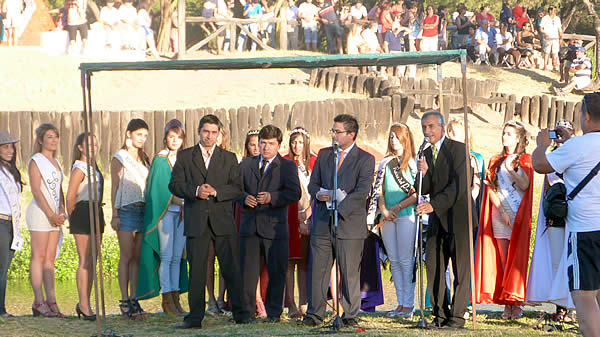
(292, 17)
(308, 13)
(575, 159)
(551, 29)
(358, 12)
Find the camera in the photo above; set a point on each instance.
(552, 134)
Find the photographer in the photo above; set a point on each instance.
(575, 159)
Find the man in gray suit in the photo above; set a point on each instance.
(355, 176)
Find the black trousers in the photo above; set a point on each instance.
(322, 250)
(253, 249)
(440, 248)
(226, 250)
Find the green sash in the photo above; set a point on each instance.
(158, 199)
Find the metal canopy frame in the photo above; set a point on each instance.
(396, 59)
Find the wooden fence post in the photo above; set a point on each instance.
(283, 29)
(181, 31)
(570, 113)
(577, 116)
(535, 111)
(544, 105)
(525, 115)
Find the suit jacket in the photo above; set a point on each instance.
(190, 172)
(355, 177)
(446, 184)
(281, 181)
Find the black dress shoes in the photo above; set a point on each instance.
(245, 321)
(307, 321)
(438, 322)
(454, 324)
(351, 322)
(271, 320)
(189, 325)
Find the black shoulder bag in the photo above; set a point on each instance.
(556, 199)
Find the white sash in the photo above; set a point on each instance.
(510, 194)
(12, 190)
(52, 178)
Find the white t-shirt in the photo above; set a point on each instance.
(109, 15)
(292, 15)
(500, 38)
(575, 159)
(128, 14)
(308, 11)
(358, 13)
(371, 38)
(551, 26)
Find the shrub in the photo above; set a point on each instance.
(68, 260)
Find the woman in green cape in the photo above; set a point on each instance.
(162, 263)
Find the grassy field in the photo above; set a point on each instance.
(489, 324)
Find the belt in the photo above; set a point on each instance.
(5, 217)
(140, 203)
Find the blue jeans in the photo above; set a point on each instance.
(132, 218)
(6, 255)
(311, 34)
(171, 244)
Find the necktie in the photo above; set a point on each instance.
(435, 153)
(263, 167)
(341, 160)
(206, 156)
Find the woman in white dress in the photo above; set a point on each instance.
(45, 217)
(129, 170)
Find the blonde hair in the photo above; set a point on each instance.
(405, 137)
(454, 124)
(40, 132)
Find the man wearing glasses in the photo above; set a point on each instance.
(355, 176)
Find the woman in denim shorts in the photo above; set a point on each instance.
(129, 170)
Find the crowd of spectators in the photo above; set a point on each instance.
(122, 26)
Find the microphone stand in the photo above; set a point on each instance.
(422, 323)
(337, 322)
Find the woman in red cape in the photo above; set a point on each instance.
(299, 231)
(503, 242)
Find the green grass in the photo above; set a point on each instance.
(489, 324)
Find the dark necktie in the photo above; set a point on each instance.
(263, 167)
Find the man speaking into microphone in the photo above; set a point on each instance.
(355, 175)
(445, 180)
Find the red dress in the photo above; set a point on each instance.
(295, 247)
(491, 285)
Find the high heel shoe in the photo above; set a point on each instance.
(54, 308)
(138, 312)
(35, 309)
(85, 317)
(126, 308)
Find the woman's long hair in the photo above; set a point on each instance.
(134, 125)
(82, 140)
(519, 151)
(305, 155)
(249, 135)
(40, 132)
(405, 137)
(11, 167)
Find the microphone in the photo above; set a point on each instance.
(336, 146)
(423, 146)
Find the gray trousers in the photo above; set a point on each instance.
(323, 252)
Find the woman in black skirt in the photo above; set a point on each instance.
(78, 207)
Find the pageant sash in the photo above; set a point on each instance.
(52, 178)
(12, 190)
(404, 185)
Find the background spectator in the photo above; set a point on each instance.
(77, 22)
(355, 42)
(581, 68)
(145, 21)
(525, 43)
(485, 40)
(109, 19)
(358, 11)
(507, 16)
(429, 30)
(442, 28)
(484, 14)
(252, 10)
(463, 23)
(520, 15)
(551, 30)
(332, 26)
(292, 33)
(11, 11)
(308, 14)
(505, 43)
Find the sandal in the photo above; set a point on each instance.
(54, 308)
(517, 312)
(507, 314)
(41, 309)
(126, 308)
(138, 312)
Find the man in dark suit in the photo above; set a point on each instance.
(445, 180)
(355, 176)
(207, 178)
(270, 183)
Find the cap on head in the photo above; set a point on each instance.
(6, 138)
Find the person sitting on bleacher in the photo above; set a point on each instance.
(109, 18)
(485, 40)
(581, 68)
(567, 55)
(504, 40)
(128, 25)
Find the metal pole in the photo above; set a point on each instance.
(97, 201)
(463, 62)
(422, 322)
(337, 322)
(84, 79)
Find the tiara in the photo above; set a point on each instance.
(302, 131)
(565, 124)
(253, 132)
(514, 123)
(400, 124)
